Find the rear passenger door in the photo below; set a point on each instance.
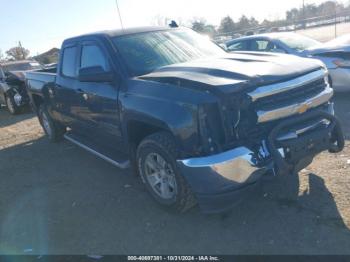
(66, 101)
(99, 100)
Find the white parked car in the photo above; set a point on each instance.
(334, 54)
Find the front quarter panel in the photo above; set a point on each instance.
(165, 106)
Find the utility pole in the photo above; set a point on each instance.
(335, 19)
(304, 26)
(22, 51)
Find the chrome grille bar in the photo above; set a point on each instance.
(296, 108)
(273, 89)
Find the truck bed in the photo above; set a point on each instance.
(36, 81)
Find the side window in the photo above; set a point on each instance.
(69, 61)
(238, 46)
(92, 55)
(262, 45)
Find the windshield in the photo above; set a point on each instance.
(298, 42)
(21, 66)
(145, 52)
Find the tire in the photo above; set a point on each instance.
(52, 129)
(11, 105)
(156, 162)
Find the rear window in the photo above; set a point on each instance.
(69, 61)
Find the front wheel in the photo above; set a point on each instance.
(11, 105)
(52, 129)
(156, 159)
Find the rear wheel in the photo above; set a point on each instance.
(52, 129)
(156, 158)
(11, 105)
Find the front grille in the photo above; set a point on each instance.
(288, 97)
(258, 132)
(295, 96)
(266, 106)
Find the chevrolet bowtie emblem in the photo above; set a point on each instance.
(303, 108)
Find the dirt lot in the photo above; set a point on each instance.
(326, 33)
(59, 199)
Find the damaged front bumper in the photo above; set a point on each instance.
(218, 181)
(20, 96)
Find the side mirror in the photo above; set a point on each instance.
(94, 74)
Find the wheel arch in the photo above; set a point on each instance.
(37, 100)
(137, 130)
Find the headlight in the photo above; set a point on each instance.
(326, 80)
(342, 63)
(210, 127)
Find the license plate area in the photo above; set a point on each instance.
(306, 145)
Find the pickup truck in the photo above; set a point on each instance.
(197, 124)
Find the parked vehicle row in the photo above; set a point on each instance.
(334, 54)
(196, 123)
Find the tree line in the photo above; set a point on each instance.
(228, 25)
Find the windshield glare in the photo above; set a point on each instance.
(145, 52)
(298, 42)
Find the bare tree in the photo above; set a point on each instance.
(227, 25)
(200, 25)
(17, 53)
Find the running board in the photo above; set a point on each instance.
(125, 164)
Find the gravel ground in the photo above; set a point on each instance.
(59, 199)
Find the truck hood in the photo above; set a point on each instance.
(234, 72)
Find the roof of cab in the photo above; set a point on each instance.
(121, 32)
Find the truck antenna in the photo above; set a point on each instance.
(120, 17)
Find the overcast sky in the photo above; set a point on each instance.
(43, 24)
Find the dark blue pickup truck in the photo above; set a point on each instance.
(197, 124)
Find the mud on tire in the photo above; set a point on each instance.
(161, 147)
(52, 129)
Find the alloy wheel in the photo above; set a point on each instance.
(160, 176)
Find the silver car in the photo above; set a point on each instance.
(334, 54)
